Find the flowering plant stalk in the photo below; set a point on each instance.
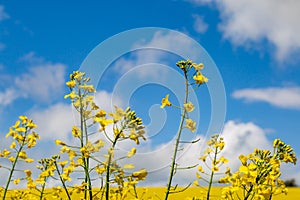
(189, 70)
(24, 138)
(215, 146)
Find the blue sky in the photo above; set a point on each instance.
(255, 47)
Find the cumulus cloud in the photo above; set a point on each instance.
(147, 55)
(240, 138)
(3, 14)
(200, 25)
(286, 97)
(54, 122)
(43, 83)
(248, 23)
(243, 138)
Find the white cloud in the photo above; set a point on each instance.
(286, 97)
(240, 138)
(32, 58)
(252, 22)
(200, 25)
(43, 83)
(167, 41)
(54, 122)
(243, 138)
(7, 96)
(3, 14)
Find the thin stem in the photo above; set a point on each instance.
(87, 161)
(212, 175)
(171, 175)
(13, 167)
(108, 165)
(62, 181)
(43, 189)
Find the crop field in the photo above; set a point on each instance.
(157, 193)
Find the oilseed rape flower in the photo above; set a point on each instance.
(165, 101)
(189, 107)
(198, 67)
(191, 125)
(200, 79)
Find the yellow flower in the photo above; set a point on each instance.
(100, 170)
(59, 142)
(100, 113)
(29, 160)
(89, 88)
(131, 152)
(72, 95)
(128, 166)
(16, 181)
(27, 172)
(165, 101)
(65, 177)
(195, 183)
(62, 163)
(23, 119)
(118, 114)
(71, 83)
(31, 125)
(140, 175)
(11, 159)
(200, 169)
(103, 121)
(78, 75)
(223, 160)
(189, 107)
(190, 124)
(75, 131)
(243, 159)
(85, 152)
(203, 158)
(215, 168)
(198, 67)
(23, 155)
(200, 79)
(13, 145)
(31, 184)
(21, 129)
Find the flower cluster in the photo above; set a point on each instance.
(259, 174)
(212, 160)
(125, 125)
(23, 138)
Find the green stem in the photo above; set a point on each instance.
(87, 161)
(13, 168)
(62, 181)
(108, 166)
(212, 174)
(87, 179)
(171, 175)
(43, 189)
(248, 192)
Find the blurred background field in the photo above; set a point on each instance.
(157, 193)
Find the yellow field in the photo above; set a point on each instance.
(158, 194)
(293, 194)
